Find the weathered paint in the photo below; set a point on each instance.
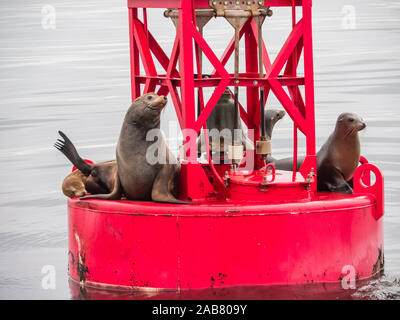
(144, 244)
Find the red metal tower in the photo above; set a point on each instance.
(276, 74)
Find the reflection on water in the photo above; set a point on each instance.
(298, 292)
(381, 288)
(76, 78)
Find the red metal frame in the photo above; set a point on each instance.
(142, 44)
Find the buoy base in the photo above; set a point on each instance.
(133, 245)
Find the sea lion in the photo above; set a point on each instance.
(74, 184)
(88, 178)
(338, 157)
(220, 118)
(138, 179)
(271, 117)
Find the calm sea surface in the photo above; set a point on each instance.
(76, 78)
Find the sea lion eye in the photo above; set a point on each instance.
(351, 120)
(149, 97)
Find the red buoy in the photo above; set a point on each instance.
(250, 225)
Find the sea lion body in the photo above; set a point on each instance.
(338, 158)
(137, 178)
(271, 117)
(88, 178)
(221, 118)
(102, 177)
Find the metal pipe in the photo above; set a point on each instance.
(294, 58)
(200, 102)
(199, 58)
(261, 75)
(236, 88)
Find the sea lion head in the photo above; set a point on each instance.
(274, 115)
(74, 184)
(145, 111)
(271, 117)
(349, 124)
(73, 192)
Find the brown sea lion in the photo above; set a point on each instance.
(271, 117)
(88, 178)
(137, 178)
(220, 118)
(74, 184)
(338, 158)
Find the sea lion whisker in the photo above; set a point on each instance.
(349, 132)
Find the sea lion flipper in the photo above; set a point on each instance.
(165, 184)
(114, 195)
(333, 181)
(69, 150)
(342, 187)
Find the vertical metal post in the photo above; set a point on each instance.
(294, 67)
(199, 60)
(252, 92)
(187, 72)
(309, 84)
(261, 74)
(236, 88)
(134, 56)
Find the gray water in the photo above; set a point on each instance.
(76, 78)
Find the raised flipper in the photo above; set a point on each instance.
(116, 194)
(68, 149)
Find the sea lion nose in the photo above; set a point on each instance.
(160, 101)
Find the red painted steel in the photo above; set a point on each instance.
(299, 41)
(215, 244)
(362, 185)
(248, 227)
